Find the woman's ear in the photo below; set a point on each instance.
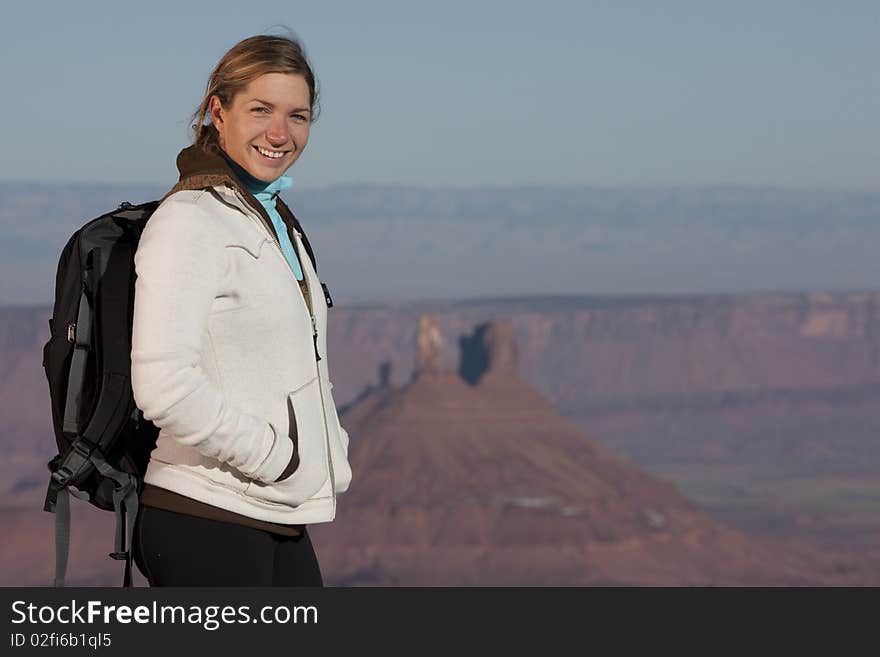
(216, 110)
(215, 107)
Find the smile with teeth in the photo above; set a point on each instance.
(272, 154)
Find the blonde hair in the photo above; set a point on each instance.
(244, 62)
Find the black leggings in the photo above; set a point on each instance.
(174, 549)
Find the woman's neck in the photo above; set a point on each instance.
(255, 185)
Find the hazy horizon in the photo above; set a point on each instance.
(387, 244)
(161, 187)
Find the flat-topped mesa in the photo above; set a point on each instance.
(490, 351)
(427, 348)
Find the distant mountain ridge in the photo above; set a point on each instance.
(389, 243)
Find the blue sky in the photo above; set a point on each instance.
(466, 93)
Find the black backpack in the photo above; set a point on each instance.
(104, 442)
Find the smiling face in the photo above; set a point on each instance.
(266, 126)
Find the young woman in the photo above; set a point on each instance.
(229, 350)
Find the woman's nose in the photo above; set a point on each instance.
(277, 134)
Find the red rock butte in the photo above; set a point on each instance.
(470, 477)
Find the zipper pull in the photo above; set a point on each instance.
(327, 296)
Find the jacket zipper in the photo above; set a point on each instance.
(320, 386)
(310, 304)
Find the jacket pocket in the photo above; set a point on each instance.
(306, 427)
(293, 434)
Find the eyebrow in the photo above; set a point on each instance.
(270, 105)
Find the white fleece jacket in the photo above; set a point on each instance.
(224, 362)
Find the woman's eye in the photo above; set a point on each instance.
(298, 117)
(260, 109)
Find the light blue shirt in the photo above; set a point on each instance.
(265, 193)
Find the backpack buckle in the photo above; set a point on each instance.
(80, 454)
(83, 447)
(62, 475)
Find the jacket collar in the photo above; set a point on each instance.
(203, 167)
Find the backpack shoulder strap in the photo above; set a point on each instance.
(113, 342)
(293, 222)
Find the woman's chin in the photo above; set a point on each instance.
(268, 171)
